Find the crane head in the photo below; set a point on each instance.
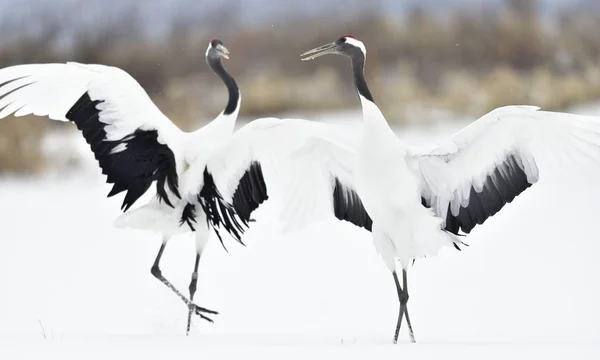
(346, 45)
(216, 50)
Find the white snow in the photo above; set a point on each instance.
(73, 286)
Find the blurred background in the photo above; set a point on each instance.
(433, 65)
(428, 60)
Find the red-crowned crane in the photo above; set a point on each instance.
(134, 143)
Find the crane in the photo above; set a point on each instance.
(421, 199)
(134, 143)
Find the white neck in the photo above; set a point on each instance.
(226, 122)
(371, 113)
(375, 126)
(215, 132)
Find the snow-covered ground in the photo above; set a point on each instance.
(76, 287)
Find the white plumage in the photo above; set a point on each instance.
(264, 154)
(52, 90)
(530, 136)
(420, 199)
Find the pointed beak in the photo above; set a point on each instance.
(320, 51)
(223, 51)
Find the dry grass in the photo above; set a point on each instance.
(20, 145)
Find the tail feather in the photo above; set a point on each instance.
(154, 217)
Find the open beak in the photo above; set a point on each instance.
(223, 50)
(320, 51)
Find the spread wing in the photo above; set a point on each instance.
(470, 176)
(292, 161)
(133, 142)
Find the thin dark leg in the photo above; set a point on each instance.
(410, 330)
(403, 299)
(192, 288)
(402, 306)
(155, 270)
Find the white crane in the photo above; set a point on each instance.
(134, 143)
(415, 201)
(420, 199)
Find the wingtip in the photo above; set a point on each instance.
(241, 242)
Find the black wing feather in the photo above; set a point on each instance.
(133, 169)
(235, 217)
(348, 206)
(507, 181)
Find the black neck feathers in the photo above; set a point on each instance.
(358, 69)
(234, 92)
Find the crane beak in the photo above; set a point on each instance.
(223, 51)
(320, 51)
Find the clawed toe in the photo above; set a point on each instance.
(205, 318)
(205, 310)
(200, 311)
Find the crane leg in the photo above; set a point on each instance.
(155, 270)
(192, 288)
(403, 299)
(410, 329)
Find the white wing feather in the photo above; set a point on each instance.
(295, 161)
(123, 108)
(52, 89)
(267, 140)
(468, 157)
(314, 168)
